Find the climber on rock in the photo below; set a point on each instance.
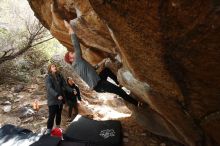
(88, 73)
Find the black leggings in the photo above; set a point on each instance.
(54, 110)
(105, 86)
(106, 72)
(75, 107)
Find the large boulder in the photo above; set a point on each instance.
(169, 51)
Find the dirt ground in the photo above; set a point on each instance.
(103, 106)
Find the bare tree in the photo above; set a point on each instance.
(16, 39)
(36, 35)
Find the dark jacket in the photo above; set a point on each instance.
(70, 98)
(55, 88)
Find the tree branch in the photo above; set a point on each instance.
(20, 52)
(35, 34)
(5, 52)
(10, 57)
(42, 42)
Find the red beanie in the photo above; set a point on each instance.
(56, 132)
(67, 58)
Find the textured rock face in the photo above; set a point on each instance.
(170, 55)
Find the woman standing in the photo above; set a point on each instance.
(72, 98)
(55, 85)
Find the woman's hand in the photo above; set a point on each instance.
(74, 92)
(60, 97)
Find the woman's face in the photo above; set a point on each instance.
(70, 81)
(53, 68)
(71, 57)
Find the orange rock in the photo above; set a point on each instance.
(172, 46)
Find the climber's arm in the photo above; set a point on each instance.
(74, 39)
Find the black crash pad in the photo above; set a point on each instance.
(96, 133)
